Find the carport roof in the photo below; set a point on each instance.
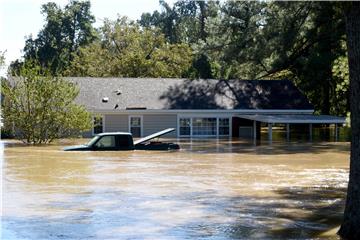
(295, 118)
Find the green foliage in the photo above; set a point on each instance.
(126, 50)
(65, 30)
(184, 23)
(40, 107)
(233, 43)
(340, 71)
(294, 40)
(313, 67)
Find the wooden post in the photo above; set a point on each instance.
(254, 132)
(310, 132)
(270, 132)
(288, 132)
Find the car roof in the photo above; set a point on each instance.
(114, 133)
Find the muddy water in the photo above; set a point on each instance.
(209, 190)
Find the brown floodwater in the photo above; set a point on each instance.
(214, 189)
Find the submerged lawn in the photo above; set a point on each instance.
(213, 189)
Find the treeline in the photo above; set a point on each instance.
(301, 41)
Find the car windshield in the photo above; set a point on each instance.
(92, 141)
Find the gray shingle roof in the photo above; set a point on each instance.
(160, 93)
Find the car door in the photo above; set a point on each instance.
(125, 142)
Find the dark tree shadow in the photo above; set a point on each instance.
(298, 213)
(269, 94)
(235, 94)
(194, 94)
(325, 206)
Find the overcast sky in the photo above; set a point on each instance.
(20, 18)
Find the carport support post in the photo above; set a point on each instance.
(288, 132)
(254, 132)
(270, 132)
(310, 131)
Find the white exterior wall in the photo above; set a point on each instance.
(153, 123)
(157, 120)
(116, 123)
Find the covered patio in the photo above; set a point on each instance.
(288, 119)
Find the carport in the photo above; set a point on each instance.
(288, 119)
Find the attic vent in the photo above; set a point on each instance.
(105, 99)
(135, 108)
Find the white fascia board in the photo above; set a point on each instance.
(179, 111)
(313, 119)
(309, 121)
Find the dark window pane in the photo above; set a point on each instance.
(98, 125)
(223, 122)
(204, 126)
(106, 142)
(185, 131)
(135, 121)
(135, 131)
(185, 125)
(223, 130)
(224, 126)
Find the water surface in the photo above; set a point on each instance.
(214, 189)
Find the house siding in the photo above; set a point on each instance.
(151, 123)
(116, 123)
(156, 122)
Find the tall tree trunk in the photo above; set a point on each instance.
(350, 228)
(202, 5)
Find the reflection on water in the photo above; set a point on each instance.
(214, 189)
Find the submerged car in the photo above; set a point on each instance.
(117, 141)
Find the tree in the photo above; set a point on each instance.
(126, 50)
(314, 67)
(184, 23)
(2, 62)
(40, 107)
(234, 44)
(65, 30)
(351, 222)
(340, 72)
(269, 40)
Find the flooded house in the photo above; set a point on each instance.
(196, 108)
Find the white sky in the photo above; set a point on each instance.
(20, 18)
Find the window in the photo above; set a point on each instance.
(224, 126)
(185, 126)
(135, 126)
(98, 124)
(201, 126)
(204, 126)
(106, 142)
